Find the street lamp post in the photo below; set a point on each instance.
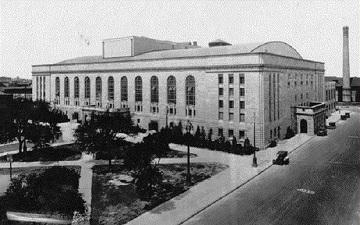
(254, 158)
(166, 117)
(188, 129)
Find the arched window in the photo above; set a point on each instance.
(138, 89)
(76, 87)
(154, 91)
(66, 87)
(98, 88)
(190, 90)
(111, 88)
(171, 90)
(57, 86)
(124, 89)
(87, 87)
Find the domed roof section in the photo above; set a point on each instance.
(275, 47)
(278, 48)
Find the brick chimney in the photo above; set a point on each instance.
(346, 66)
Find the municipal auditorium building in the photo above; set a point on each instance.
(232, 89)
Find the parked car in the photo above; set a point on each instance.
(332, 125)
(343, 117)
(282, 158)
(322, 132)
(347, 114)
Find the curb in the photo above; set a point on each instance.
(247, 181)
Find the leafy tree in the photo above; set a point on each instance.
(54, 190)
(99, 133)
(140, 160)
(22, 119)
(145, 169)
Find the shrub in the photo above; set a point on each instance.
(54, 191)
(272, 144)
(289, 133)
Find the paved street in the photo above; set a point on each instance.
(320, 186)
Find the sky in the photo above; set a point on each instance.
(46, 32)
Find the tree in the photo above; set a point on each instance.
(24, 119)
(99, 133)
(145, 169)
(54, 190)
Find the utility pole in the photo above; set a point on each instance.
(254, 158)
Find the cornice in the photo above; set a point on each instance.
(253, 67)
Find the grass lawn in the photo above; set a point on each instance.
(58, 153)
(118, 204)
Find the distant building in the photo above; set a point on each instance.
(19, 90)
(224, 87)
(330, 96)
(354, 88)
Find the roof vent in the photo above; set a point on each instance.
(218, 42)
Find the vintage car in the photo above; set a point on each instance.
(332, 125)
(347, 114)
(343, 117)
(321, 132)
(281, 158)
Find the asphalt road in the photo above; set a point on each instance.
(320, 186)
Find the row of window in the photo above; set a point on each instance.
(231, 79)
(231, 116)
(231, 104)
(231, 133)
(154, 89)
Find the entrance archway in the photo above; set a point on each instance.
(303, 126)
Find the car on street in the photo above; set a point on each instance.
(343, 117)
(347, 114)
(332, 125)
(281, 158)
(321, 132)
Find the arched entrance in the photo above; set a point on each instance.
(303, 126)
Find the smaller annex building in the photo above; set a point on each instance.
(223, 87)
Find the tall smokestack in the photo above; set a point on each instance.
(346, 66)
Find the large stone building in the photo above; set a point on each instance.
(224, 87)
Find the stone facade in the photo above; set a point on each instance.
(330, 97)
(262, 87)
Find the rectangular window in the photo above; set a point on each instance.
(242, 104)
(221, 115)
(231, 78)
(241, 134)
(231, 104)
(231, 92)
(242, 117)
(221, 91)
(241, 78)
(221, 104)
(242, 92)
(231, 132)
(220, 132)
(231, 116)
(221, 79)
